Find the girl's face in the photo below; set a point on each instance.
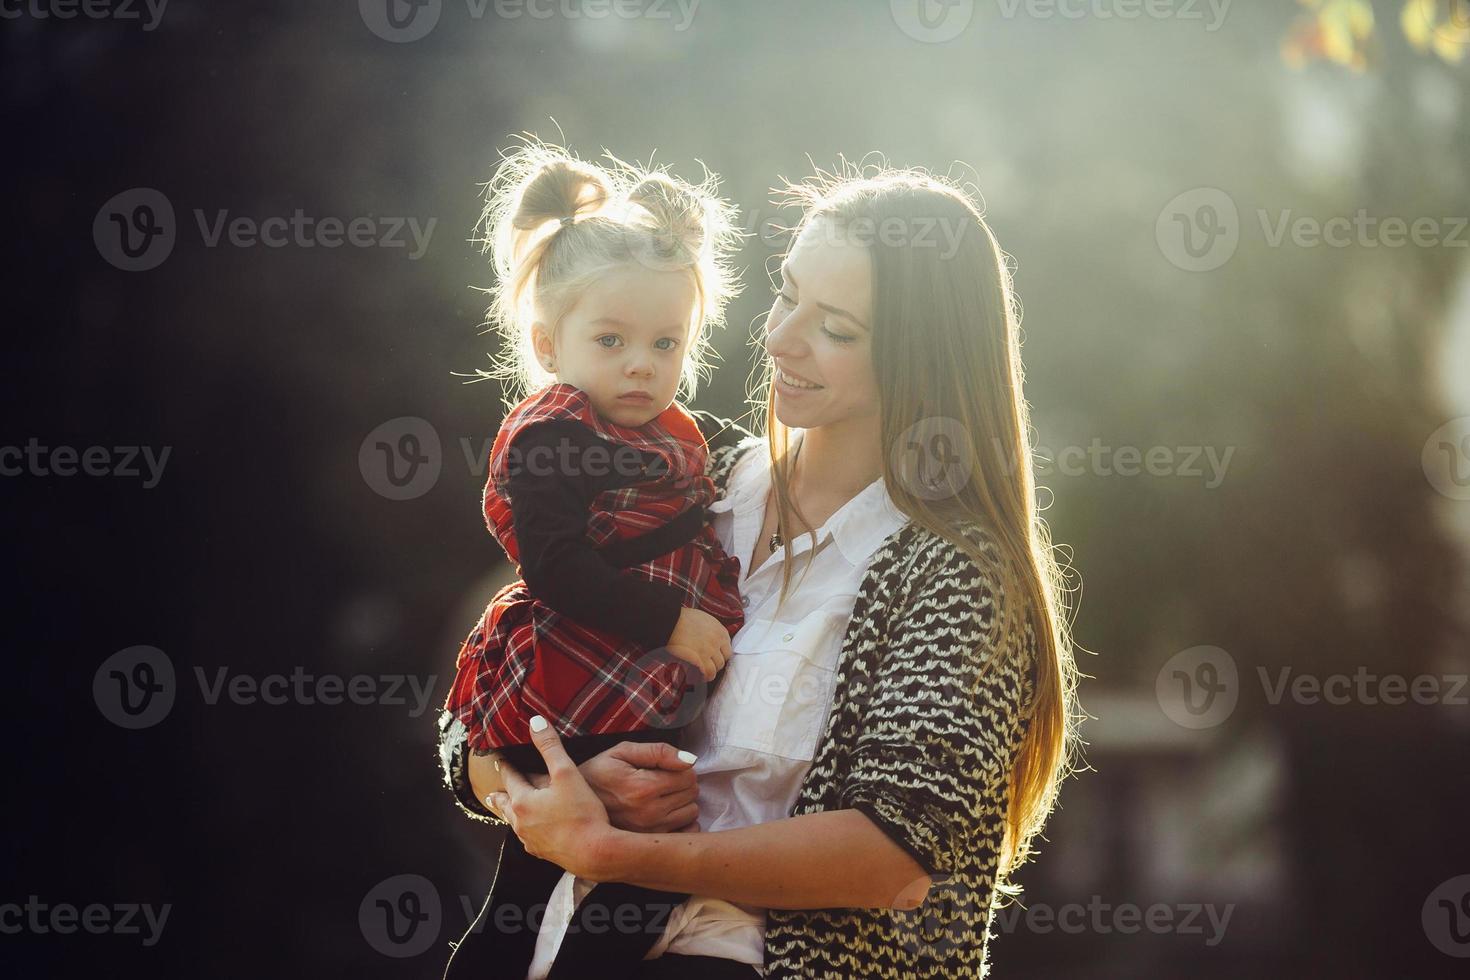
(624, 342)
(819, 333)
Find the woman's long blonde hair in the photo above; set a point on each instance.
(946, 350)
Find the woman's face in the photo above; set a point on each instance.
(819, 333)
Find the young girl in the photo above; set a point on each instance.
(607, 281)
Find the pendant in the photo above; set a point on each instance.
(775, 541)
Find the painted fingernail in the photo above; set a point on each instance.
(688, 757)
(538, 724)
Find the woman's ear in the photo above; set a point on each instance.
(542, 341)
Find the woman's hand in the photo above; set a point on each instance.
(647, 787)
(561, 821)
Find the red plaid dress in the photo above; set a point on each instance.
(523, 658)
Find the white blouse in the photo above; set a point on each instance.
(758, 733)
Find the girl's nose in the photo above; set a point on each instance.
(639, 366)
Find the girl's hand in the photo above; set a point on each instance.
(561, 821)
(701, 640)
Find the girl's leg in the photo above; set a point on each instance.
(501, 941)
(613, 928)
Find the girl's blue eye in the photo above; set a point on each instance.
(670, 341)
(609, 337)
(838, 338)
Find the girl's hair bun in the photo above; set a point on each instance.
(680, 215)
(558, 189)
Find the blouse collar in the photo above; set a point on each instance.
(858, 527)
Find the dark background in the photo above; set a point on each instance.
(1331, 544)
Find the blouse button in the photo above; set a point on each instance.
(788, 637)
(745, 601)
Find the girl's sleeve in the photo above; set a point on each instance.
(454, 762)
(932, 762)
(549, 503)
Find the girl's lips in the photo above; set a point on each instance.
(636, 396)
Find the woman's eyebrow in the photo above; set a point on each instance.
(839, 311)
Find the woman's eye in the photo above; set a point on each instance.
(838, 338)
(609, 340)
(665, 343)
(781, 295)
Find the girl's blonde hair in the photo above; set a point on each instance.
(554, 224)
(946, 349)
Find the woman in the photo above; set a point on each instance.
(899, 709)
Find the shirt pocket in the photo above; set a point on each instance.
(775, 695)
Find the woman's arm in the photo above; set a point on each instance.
(833, 859)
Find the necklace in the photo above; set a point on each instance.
(776, 540)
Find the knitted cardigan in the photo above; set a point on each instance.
(907, 742)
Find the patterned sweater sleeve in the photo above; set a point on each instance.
(946, 714)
